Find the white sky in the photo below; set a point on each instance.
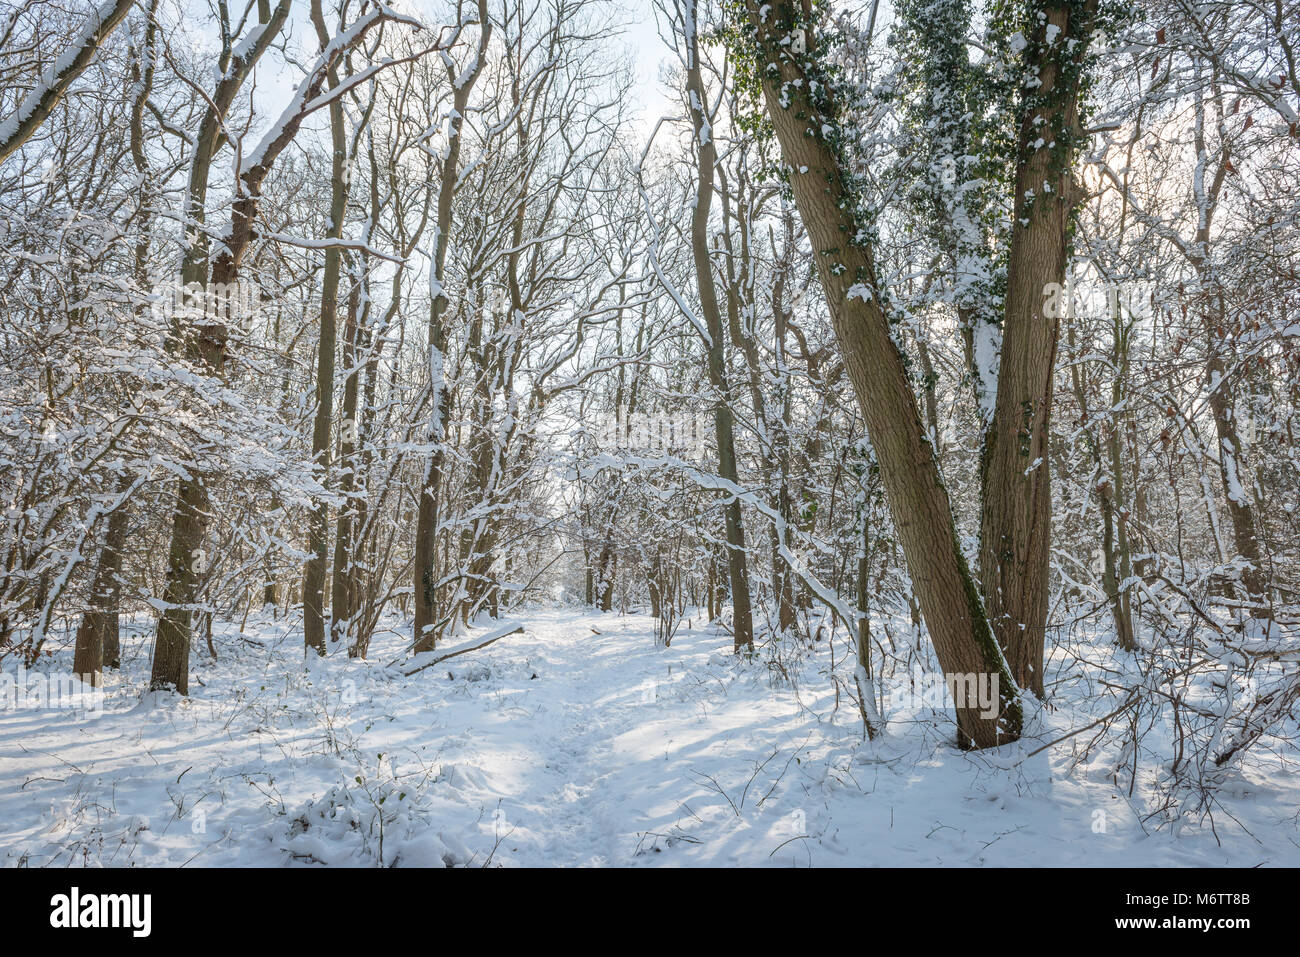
(650, 51)
(275, 80)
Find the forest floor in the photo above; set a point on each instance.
(577, 742)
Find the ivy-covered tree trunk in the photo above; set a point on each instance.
(955, 115)
(954, 118)
(1016, 516)
(804, 106)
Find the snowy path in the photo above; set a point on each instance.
(558, 746)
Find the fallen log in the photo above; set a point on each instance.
(514, 628)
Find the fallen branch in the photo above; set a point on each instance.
(502, 632)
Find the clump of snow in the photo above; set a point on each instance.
(376, 825)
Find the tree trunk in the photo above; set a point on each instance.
(46, 94)
(706, 153)
(802, 105)
(344, 591)
(1015, 531)
(1245, 534)
(206, 346)
(426, 525)
(97, 644)
(313, 582)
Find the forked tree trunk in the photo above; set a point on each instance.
(946, 590)
(206, 347)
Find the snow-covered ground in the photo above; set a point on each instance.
(577, 742)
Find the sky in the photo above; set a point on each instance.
(276, 80)
(650, 52)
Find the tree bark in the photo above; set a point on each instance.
(706, 154)
(1016, 521)
(313, 582)
(171, 655)
(426, 523)
(948, 595)
(345, 590)
(54, 83)
(97, 645)
(206, 347)
(1241, 513)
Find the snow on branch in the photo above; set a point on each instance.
(45, 96)
(307, 99)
